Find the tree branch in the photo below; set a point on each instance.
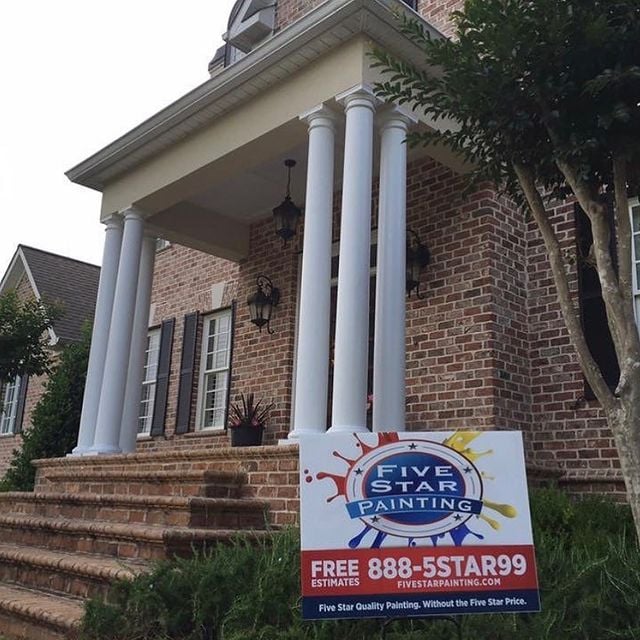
(588, 364)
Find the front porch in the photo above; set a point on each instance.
(205, 173)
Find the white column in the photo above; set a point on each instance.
(107, 435)
(312, 356)
(389, 340)
(135, 374)
(100, 334)
(352, 315)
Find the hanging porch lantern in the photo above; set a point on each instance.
(287, 215)
(418, 257)
(262, 302)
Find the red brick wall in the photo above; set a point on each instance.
(565, 428)
(436, 12)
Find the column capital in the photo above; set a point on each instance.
(361, 95)
(132, 213)
(114, 221)
(393, 116)
(320, 116)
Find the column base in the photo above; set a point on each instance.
(78, 451)
(347, 429)
(296, 434)
(104, 451)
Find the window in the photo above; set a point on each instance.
(9, 406)
(592, 310)
(635, 253)
(213, 383)
(147, 400)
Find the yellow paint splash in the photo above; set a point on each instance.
(506, 510)
(459, 441)
(494, 524)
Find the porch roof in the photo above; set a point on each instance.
(329, 25)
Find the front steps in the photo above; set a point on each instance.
(92, 521)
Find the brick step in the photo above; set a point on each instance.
(178, 511)
(134, 481)
(33, 615)
(226, 459)
(79, 575)
(127, 541)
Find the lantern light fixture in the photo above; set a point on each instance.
(287, 214)
(262, 302)
(418, 257)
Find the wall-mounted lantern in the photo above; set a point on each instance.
(262, 302)
(418, 257)
(287, 215)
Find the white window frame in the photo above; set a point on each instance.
(635, 257)
(204, 373)
(149, 381)
(9, 399)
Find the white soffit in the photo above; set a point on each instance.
(321, 30)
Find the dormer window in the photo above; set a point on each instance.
(251, 21)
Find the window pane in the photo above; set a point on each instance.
(635, 214)
(9, 406)
(147, 399)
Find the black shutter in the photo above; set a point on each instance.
(162, 378)
(592, 310)
(231, 338)
(187, 364)
(22, 395)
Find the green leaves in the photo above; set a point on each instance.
(589, 572)
(55, 419)
(529, 82)
(23, 336)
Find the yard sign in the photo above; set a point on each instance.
(415, 524)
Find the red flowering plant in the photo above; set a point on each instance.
(248, 413)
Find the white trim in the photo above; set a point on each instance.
(635, 261)
(216, 370)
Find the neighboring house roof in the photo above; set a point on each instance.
(54, 278)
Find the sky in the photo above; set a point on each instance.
(74, 76)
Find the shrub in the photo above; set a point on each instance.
(588, 564)
(55, 419)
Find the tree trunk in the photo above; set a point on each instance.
(625, 426)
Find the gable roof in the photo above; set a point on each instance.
(54, 278)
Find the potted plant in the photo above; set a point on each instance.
(247, 421)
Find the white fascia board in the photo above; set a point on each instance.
(377, 18)
(11, 275)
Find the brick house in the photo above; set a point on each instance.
(484, 345)
(40, 275)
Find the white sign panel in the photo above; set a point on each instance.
(415, 524)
